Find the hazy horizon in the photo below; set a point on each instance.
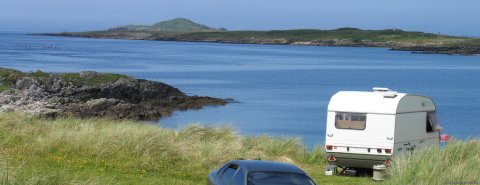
(435, 16)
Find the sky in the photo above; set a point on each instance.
(453, 17)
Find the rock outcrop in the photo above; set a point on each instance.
(450, 50)
(83, 95)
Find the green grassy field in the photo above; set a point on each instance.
(101, 151)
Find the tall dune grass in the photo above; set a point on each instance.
(457, 163)
(99, 151)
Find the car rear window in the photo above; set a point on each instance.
(354, 121)
(227, 176)
(278, 178)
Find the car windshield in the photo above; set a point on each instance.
(278, 178)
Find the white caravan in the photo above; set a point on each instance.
(368, 128)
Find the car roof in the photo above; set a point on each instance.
(259, 165)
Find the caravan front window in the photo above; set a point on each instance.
(354, 121)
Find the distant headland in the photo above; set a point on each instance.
(181, 29)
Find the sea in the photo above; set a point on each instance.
(278, 90)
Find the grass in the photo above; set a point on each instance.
(8, 77)
(458, 163)
(101, 151)
(99, 78)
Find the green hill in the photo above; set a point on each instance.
(173, 25)
(181, 24)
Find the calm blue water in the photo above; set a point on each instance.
(282, 90)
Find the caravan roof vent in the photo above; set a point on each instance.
(390, 94)
(386, 92)
(380, 89)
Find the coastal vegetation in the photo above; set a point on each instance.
(37, 150)
(99, 151)
(8, 77)
(457, 163)
(395, 39)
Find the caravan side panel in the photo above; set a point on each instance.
(415, 103)
(411, 132)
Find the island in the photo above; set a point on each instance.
(92, 94)
(181, 29)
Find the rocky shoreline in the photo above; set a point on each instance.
(449, 50)
(92, 94)
(414, 47)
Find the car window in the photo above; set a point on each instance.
(278, 178)
(239, 178)
(227, 176)
(221, 170)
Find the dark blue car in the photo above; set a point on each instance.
(256, 172)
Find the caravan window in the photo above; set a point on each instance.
(354, 121)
